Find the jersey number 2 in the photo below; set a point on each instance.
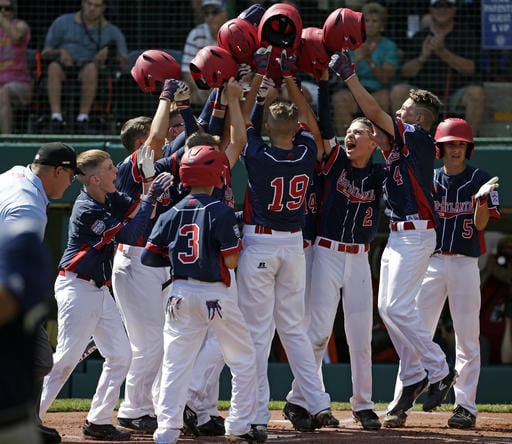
(298, 186)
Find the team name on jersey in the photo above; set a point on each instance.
(351, 191)
(447, 210)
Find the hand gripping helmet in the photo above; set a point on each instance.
(312, 57)
(344, 29)
(154, 66)
(454, 129)
(240, 38)
(201, 166)
(212, 66)
(280, 26)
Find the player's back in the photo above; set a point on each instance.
(278, 180)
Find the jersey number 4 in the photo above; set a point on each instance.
(295, 195)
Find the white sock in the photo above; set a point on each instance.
(57, 116)
(82, 117)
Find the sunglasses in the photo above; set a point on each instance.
(213, 12)
(440, 5)
(6, 8)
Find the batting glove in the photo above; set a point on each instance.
(243, 70)
(266, 85)
(261, 59)
(342, 65)
(169, 89)
(160, 185)
(487, 188)
(287, 64)
(145, 163)
(182, 95)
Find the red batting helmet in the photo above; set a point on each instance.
(344, 29)
(212, 66)
(201, 166)
(312, 56)
(451, 130)
(280, 26)
(154, 66)
(240, 38)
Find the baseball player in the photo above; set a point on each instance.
(199, 239)
(100, 216)
(142, 316)
(348, 222)
(24, 296)
(465, 199)
(24, 196)
(410, 208)
(271, 271)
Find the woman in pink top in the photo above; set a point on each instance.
(15, 80)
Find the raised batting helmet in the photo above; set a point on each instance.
(344, 29)
(312, 57)
(240, 38)
(212, 66)
(280, 26)
(451, 130)
(202, 165)
(253, 14)
(154, 66)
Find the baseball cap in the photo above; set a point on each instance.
(433, 2)
(57, 154)
(219, 4)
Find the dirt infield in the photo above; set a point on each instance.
(421, 428)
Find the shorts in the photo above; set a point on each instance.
(19, 92)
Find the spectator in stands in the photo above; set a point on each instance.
(15, 80)
(205, 34)
(496, 311)
(442, 58)
(377, 63)
(78, 45)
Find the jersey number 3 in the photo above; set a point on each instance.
(191, 232)
(298, 186)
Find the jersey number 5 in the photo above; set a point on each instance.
(298, 186)
(191, 232)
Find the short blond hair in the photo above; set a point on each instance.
(88, 161)
(283, 116)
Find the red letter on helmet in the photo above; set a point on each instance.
(240, 38)
(212, 66)
(312, 57)
(154, 66)
(451, 130)
(202, 166)
(344, 29)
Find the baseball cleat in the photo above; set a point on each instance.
(253, 435)
(214, 427)
(462, 418)
(104, 432)
(439, 390)
(299, 417)
(324, 418)
(394, 419)
(190, 422)
(409, 395)
(367, 418)
(145, 424)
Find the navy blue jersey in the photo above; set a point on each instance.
(93, 228)
(455, 206)
(409, 173)
(278, 180)
(311, 205)
(350, 206)
(129, 181)
(195, 234)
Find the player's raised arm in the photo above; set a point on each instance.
(237, 132)
(344, 68)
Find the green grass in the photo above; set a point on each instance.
(83, 405)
